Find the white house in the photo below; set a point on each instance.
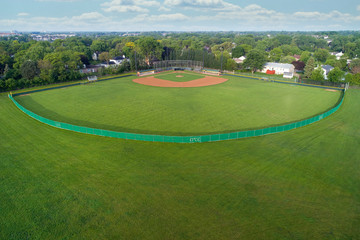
(95, 56)
(280, 68)
(338, 55)
(240, 59)
(326, 69)
(119, 60)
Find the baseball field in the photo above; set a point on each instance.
(300, 184)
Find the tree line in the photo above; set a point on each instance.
(25, 62)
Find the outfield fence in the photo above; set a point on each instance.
(179, 139)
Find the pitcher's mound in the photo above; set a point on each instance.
(179, 76)
(206, 81)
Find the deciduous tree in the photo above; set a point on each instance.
(321, 55)
(255, 60)
(335, 75)
(318, 74)
(29, 69)
(309, 67)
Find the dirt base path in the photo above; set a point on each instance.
(206, 81)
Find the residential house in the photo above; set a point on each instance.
(106, 65)
(285, 69)
(90, 69)
(240, 59)
(95, 56)
(338, 55)
(326, 69)
(119, 60)
(297, 57)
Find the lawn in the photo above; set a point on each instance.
(175, 76)
(122, 105)
(302, 184)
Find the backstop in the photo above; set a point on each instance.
(178, 65)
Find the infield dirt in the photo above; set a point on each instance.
(206, 81)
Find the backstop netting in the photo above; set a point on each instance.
(178, 65)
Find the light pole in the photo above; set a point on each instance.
(222, 55)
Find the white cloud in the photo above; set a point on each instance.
(129, 5)
(164, 9)
(358, 7)
(201, 4)
(248, 18)
(23, 14)
(334, 15)
(158, 18)
(252, 13)
(57, 0)
(168, 17)
(92, 16)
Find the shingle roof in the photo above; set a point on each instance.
(327, 68)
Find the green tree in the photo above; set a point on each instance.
(99, 45)
(284, 39)
(29, 69)
(287, 59)
(354, 79)
(248, 40)
(275, 54)
(318, 74)
(4, 60)
(355, 66)
(255, 60)
(335, 75)
(321, 55)
(230, 64)
(150, 48)
(105, 57)
(309, 67)
(238, 51)
(305, 55)
(247, 48)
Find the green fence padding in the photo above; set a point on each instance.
(181, 139)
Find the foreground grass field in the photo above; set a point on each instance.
(302, 184)
(122, 105)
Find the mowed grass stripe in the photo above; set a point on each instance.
(303, 184)
(237, 104)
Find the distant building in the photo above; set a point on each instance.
(9, 34)
(338, 55)
(106, 65)
(326, 69)
(297, 57)
(95, 56)
(240, 59)
(287, 70)
(90, 69)
(119, 60)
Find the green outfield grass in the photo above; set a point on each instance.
(122, 105)
(302, 184)
(172, 76)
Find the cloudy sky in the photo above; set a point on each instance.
(179, 15)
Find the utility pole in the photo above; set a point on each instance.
(222, 55)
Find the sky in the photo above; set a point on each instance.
(179, 15)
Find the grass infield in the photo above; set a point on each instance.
(179, 76)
